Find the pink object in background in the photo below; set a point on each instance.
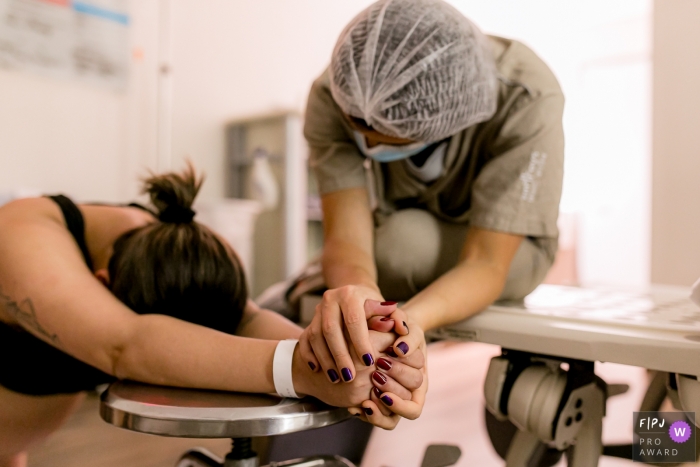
(564, 271)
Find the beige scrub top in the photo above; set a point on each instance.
(504, 174)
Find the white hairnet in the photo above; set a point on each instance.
(414, 69)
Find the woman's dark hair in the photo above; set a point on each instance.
(176, 266)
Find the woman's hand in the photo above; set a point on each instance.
(400, 377)
(323, 343)
(411, 335)
(386, 406)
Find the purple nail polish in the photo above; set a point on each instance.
(333, 375)
(379, 378)
(312, 366)
(403, 347)
(388, 303)
(368, 411)
(387, 400)
(386, 318)
(390, 352)
(377, 392)
(347, 374)
(384, 364)
(368, 359)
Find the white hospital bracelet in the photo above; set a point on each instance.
(282, 368)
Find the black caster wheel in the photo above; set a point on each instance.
(501, 435)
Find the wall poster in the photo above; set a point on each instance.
(74, 39)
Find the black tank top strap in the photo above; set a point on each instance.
(75, 224)
(143, 208)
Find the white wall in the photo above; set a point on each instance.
(48, 129)
(235, 59)
(676, 190)
(83, 140)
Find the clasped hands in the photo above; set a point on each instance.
(371, 353)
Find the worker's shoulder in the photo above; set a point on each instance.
(320, 99)
(520, 65)
(322, 84)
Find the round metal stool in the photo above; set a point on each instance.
(190, 413)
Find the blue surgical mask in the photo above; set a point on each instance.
(386, 152)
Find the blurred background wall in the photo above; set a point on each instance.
(675, 254)
(194, 66)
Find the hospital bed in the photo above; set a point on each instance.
(544, 383)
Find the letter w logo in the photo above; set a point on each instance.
(679, 431)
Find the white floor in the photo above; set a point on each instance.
(453, 412)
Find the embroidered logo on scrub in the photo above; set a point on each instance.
(531, 177)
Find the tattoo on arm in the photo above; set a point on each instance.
(25, 315)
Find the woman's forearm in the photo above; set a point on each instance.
(347, 264)
(348, 249)
(163, 350)
(169, 352)
(458, 294)
(259, 323)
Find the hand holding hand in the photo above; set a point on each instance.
(324, 345)
(387, 404)
(399, 378)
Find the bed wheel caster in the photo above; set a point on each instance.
(553, 404)
(501, 434)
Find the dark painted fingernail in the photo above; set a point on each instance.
(403, 347)
(390, 352)
(377, 392)
(312, 366)
(333, 375)
(386, 318)
(347, 374)
(356, 414)
(384, 364)
(405, 325)
(368, 359)
(367, 410)
(387, 400)
(389, 303)
(379, 378)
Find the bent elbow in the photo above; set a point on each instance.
(120, 354)
(118, 366)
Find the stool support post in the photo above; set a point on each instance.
(242, 454)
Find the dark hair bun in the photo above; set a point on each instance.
(173, 194)
(177, 267)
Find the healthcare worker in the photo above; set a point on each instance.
(439, 158)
